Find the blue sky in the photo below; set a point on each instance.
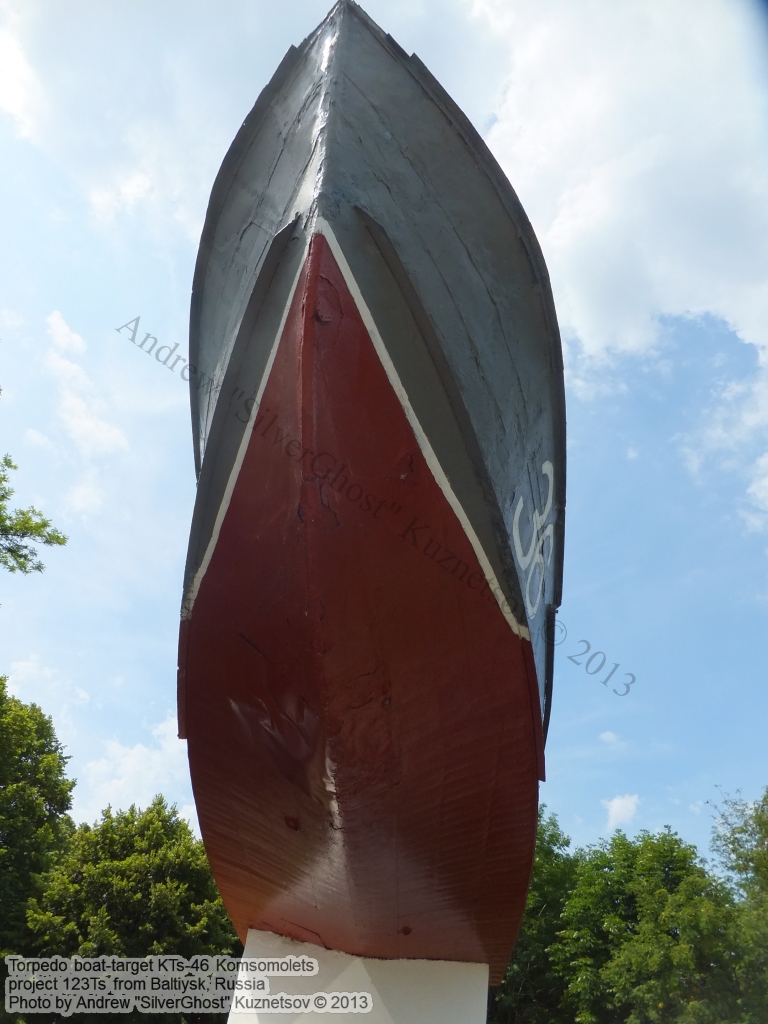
(636, 136)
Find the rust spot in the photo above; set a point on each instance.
(406, 930)
(293, 824)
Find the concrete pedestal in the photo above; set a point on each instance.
(402, 991)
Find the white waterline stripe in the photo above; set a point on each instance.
(421, 438)
(224, 506)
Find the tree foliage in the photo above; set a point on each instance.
(19, 527)
(741, 839)
(136, 883)
(34, 827)
(640, 931)
(647, 936)
(34, 797)
(530, 992)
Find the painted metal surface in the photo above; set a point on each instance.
(376, 546)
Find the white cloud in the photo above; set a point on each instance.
(189, 811)
(10, 318)
(38, 439)
(21, 95)
(621, 810)
(62, 335)
(32, 681)
(107, 201)
(133, 775)
(758, 489)
(739, 415)
(68, 374)
(610, 738)
(26, 672)
(635, 134)
(86, 496)
(162, 167)
(735, 430)
(90, 432)
(80, 412)
(140, 130)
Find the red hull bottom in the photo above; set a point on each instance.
(360, 715)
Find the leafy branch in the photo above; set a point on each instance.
(19, 527)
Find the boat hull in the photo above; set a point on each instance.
(376, 543)
(361, 716)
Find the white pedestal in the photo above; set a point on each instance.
(402, 991)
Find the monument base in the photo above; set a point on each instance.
(401, 991)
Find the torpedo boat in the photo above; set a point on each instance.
(376, 548)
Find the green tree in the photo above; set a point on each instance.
(531, 992)
(19, 527)
(741, 839)
(34, 827)
(649, 936)
(34, 797)
(135, 883)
